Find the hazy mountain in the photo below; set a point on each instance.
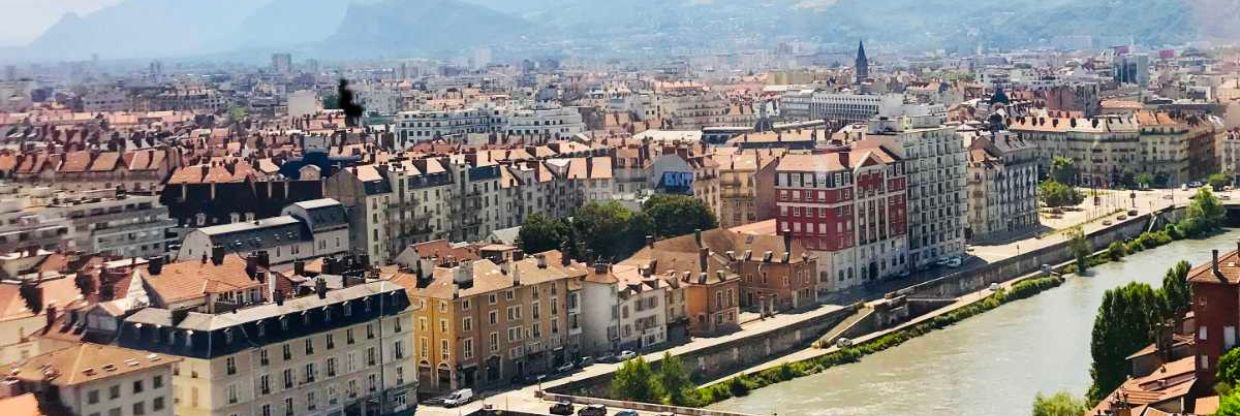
(377, 28)
(290, 22)
(423, 27)
(144, 28)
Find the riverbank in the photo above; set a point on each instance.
(992, 363)
(741, 384)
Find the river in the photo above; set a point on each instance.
(991, 364)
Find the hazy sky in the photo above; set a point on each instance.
(25, 20)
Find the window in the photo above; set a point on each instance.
(396, 325)
(309, 346)
(370, 356)
(265, 410)
(264, 384)
(331, 367)
(467, 324)
(288, 406)
(157, 404)
(288, 378)
(288, 352)
(232, 394)
(467, 348)
(137, 387)
(348, 335)
(92, 397)
(139, 408)
(494, 342)
(157, 382)
(399, 349)
(311, 403)
(115, 411)
(373, 382)
(493, 316)
(370, 331)
(331, 341)
(230, 364)
(114, 392)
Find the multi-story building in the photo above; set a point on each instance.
(101, 221)
(708, 280)
(366, 195)
(677, 171)
(307, 230)
(415, 126)
(480, 323)
(97, 380)
(1227, 149)
(544, 119)
(740, 176)
(1102, 148)
(475, 209)
(850, 209)
(1002, 183)
(837, 108)
(1216, 300)
(935, 160)
(340, 351)
(1175, 150)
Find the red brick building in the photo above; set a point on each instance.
(849, 207)
(1216, 310)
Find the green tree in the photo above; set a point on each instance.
(1229, 370)
(674, 386)
(609, 230)
(1063, 170)
(1144, 179)
(675, 215)
(331, 102)
(634, 381)
(1116, 250)
(1055, 194)
(1229, 405)
(540, 233)
(1218, 181)
(1059, 404)
(1124, 324)
(1079, 244)
(1175, 289)
(1205, 213)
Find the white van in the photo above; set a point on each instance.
(459, 397)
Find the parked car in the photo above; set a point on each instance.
(1132, 213)
(459, 397)
(994, 287)
(626, 412)
(593, 410)
(843, 342)
(1107, 222)
(952, 262)
(626, 355)
(565, 368)
(585, 361)
(562, 408)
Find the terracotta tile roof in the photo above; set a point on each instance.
(21, 405)
(86, 363)
(1229, 270)
(75, 162)
(105, 162)
(192, 279)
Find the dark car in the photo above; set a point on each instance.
(593, 410)
(562, 408)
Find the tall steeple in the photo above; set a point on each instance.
(862, 67)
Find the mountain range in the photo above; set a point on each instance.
(138, 29)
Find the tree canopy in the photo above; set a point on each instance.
(1205, 213)
(1125, 323)
(1063, 170)
(542, 233)
(1059, 404)
(634, 381)
(676, 215)
(609, 230)
(1218, 181)
(1055, 194)
(1229, 405)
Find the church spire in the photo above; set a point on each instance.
(862, 66)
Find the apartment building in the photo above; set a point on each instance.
(101, 221)
(96, 380)
(544, 119)
(366, 194)
(837, 108)
(1175, 149)
(1102, 147)
(740, 176)
(1228, 152)
(480, 324)
(340, 351)
(422, 125)
(1002, 183)
(849, 208)
(935, 160)
(476, 189)
(307, 230)
(707, 279)
(677, 171)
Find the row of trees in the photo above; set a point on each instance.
(670, 384)
(609, 231)
(1129, 319)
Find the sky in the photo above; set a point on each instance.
(25, 20)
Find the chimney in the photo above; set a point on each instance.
(1214, 264)
(320, 287)
(516, 275)
(787, 240)
(703, 253)
(299, 268)
(264, 259)
(650, 241)
(217, 255)
(51, 315)
(697, 236)
(542, 260)
(518, 255)
(279, 297)
(155, 264)
(600, 268)
(251, 265)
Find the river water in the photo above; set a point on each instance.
(991, 364)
